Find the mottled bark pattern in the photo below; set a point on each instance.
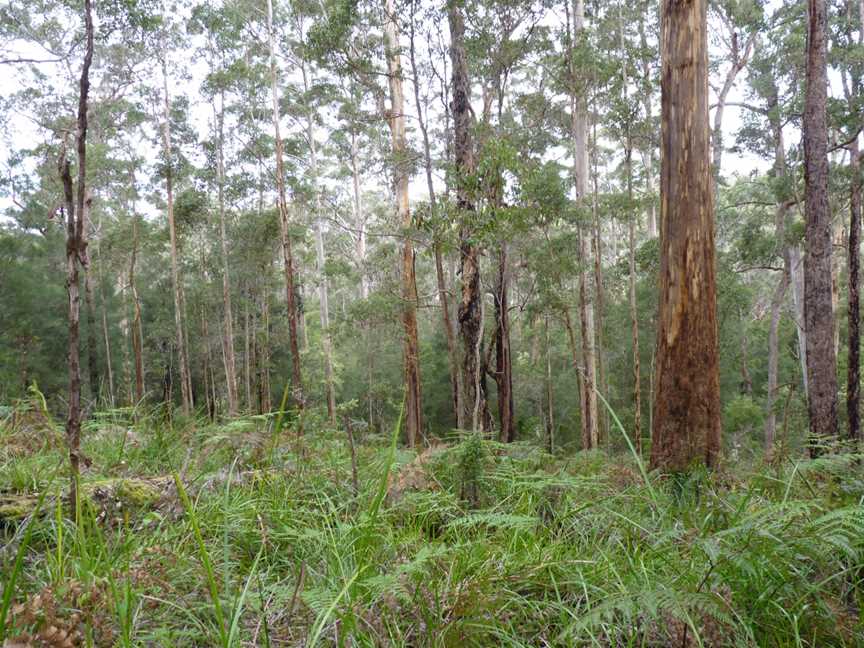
(818, 311)
(470, 308)
(411, 345)
(686, 424)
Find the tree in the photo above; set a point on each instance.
(396, 120)
(818, 310)
(77, 207)
(470, 313)
(686, 425)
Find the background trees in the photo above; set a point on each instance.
(527, 192)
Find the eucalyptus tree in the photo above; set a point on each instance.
(818, 308)
(686, 425)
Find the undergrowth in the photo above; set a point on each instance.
(255, 540)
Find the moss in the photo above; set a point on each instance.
(137, 493)
(16, 508)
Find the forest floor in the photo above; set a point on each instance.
(201, 534)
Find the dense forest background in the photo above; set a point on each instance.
(185, 288)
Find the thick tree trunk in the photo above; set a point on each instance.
(77, 207)
(470, 314)
(227, 311)
(818, 312)
(686, 425)
(597, 252)
(853, 382)
(185, 380)
(396, 120)
(284, 228)
(443, 293)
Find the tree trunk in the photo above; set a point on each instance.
(77, 209)
(579, 134)
(503, 359)
(634, 313)
(853, 382)
(550, 417)
(686, 425)
(228, 314)
(649, 144)
(185, 380)
(597, 249)
(284, 230)
(396, 119)
(92, 346)
(818, 312)
(443, 293)
(778, 297)
(108, 368)
(470, 315)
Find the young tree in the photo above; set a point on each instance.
(77, 207)
(686, 425)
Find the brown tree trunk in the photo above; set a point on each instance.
(227, 311)
(503, 360)
(284, 231)
(818, 312)
(597, 251)
(77, 209)
(185, 380)
(396, 120)
(443, 293)
(470, 314)
(853, 382)
(686, 422)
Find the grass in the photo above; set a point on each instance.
(261, 540)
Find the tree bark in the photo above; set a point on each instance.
(853, 382)
(579, 134)
(228, 313)
(443, 293)
(818, 312)
(185, 380)
(686, 421)
(284, 229)
(396, 121)
(503, 358)
(77, 208)
(470, 315)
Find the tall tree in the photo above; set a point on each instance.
(180, 336)
(396, 120)
(77, 206)
(471, 305)
(284, 225)
(818, 309)
(686, 425)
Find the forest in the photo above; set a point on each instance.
(407, 323)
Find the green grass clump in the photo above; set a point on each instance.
(472, 544)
